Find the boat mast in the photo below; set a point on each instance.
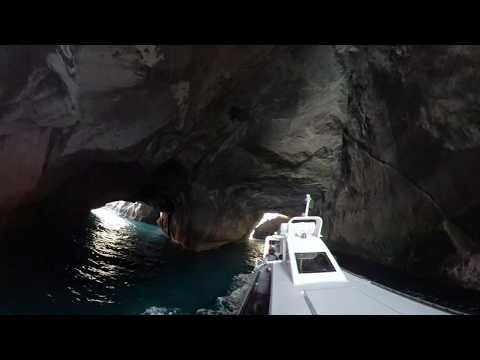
(308, 198)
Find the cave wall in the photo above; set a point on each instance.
(410, 159)
(384, 138)
(240, 122)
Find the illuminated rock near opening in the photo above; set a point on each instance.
(138, 211)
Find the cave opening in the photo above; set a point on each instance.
(140, 211)
(91, 250)
(268, 224)
(69, 193)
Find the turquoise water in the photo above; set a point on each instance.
(109, 265)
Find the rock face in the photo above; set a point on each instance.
(407, 194)
(137, 211)
(384, 138)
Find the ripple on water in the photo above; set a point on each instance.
(155, 310)
(113, 266)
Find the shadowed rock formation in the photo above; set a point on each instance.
(384, 138)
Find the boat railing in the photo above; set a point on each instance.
(252, 285)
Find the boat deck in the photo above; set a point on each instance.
(358, 296)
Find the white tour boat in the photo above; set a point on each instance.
(300, 276)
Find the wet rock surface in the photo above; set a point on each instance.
(385, 139)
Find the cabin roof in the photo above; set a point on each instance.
(358, 296)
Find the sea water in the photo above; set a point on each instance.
(110, 265)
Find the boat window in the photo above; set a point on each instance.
(313, 262)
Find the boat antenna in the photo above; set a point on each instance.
(307, 206)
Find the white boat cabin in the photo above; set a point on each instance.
(300, 245)
(274, 249)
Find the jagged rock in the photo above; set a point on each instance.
(385, 139)
(138, 211)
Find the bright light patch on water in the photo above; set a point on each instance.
(106, 264)
(110, 219)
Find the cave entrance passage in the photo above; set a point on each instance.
(132, 224)
(268, 224)
(137, 211)
(126, 219)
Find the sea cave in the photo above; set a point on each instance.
(220, 144)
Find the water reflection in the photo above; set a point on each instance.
(110, 220)
(116, 251)
(110, 265)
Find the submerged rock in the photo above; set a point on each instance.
(138, 211)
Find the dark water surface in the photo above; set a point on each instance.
(110, 265)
